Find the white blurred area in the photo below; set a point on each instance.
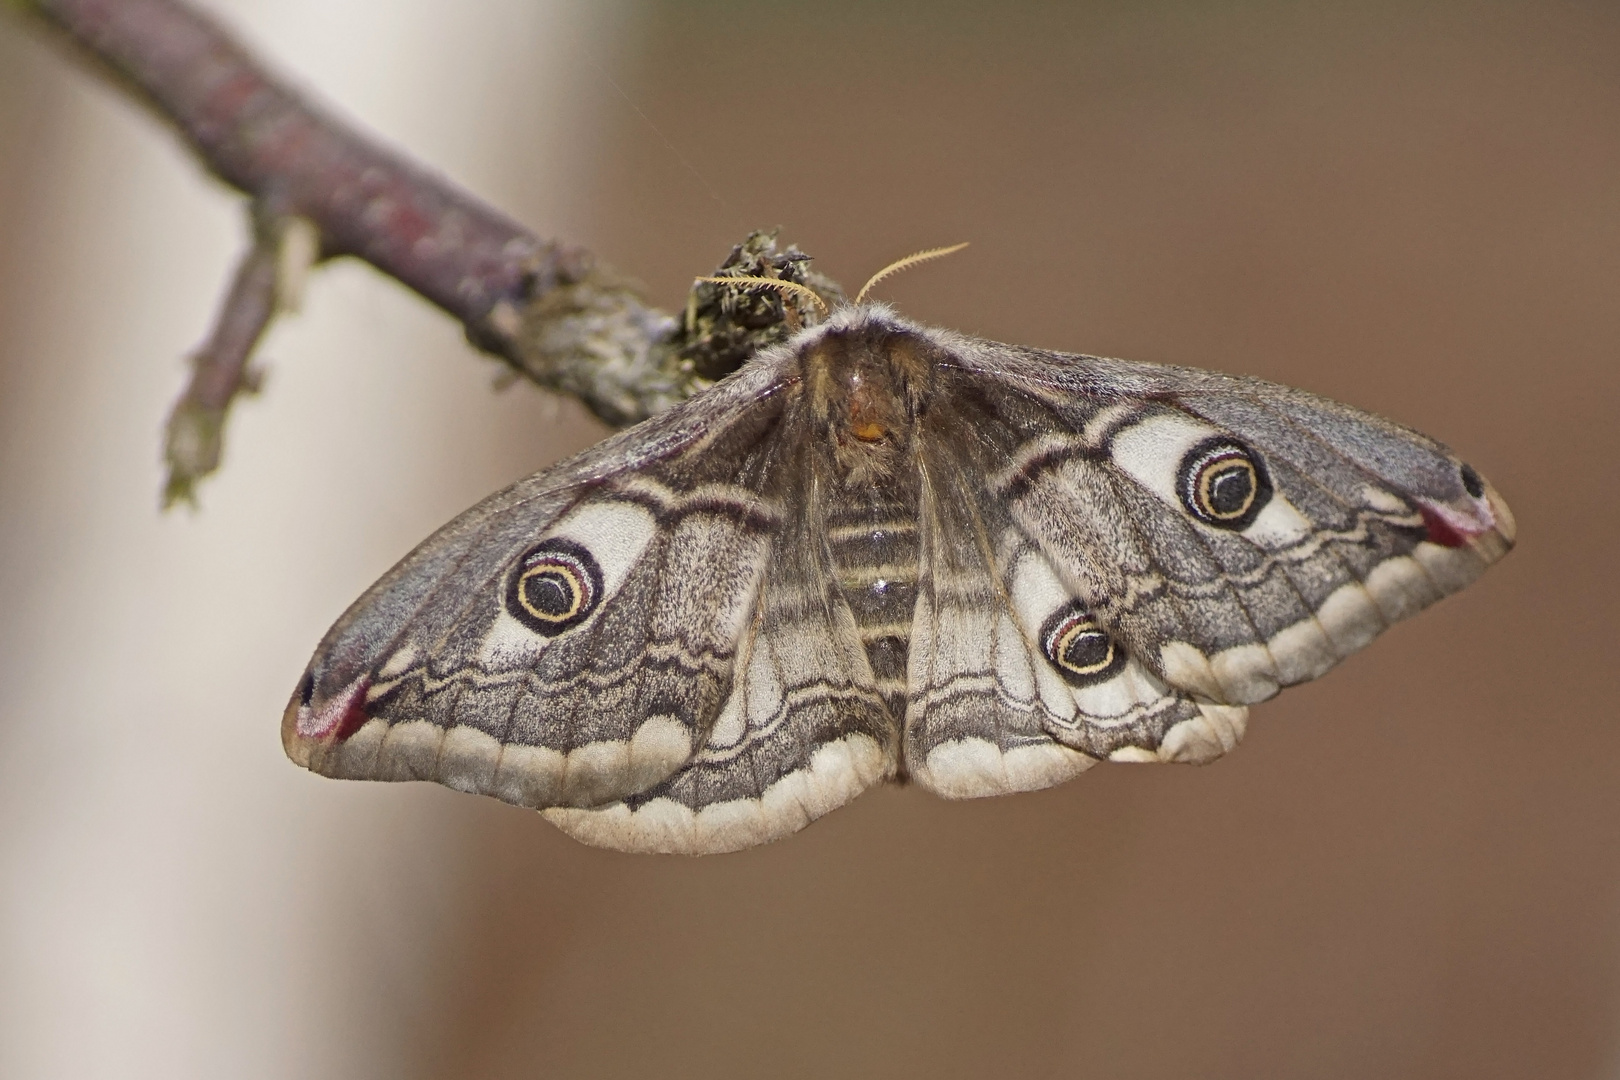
(173, 901)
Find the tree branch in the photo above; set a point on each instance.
(547, 308)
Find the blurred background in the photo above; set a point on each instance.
(1412, 867)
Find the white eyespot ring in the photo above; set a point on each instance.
(555, 587)
(1079, 648)
(1223, 483)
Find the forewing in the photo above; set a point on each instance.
(1235, 535)
(570, 640)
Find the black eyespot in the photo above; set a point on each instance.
(556, 586)
(1223, 483)
(1080, 649)
(306, 688)
(1472, 482)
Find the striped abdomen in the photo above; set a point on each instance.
(874, 553)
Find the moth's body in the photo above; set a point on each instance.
(864, 392)
(885, 551)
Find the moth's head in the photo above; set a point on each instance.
(866, 374)
(867, 378)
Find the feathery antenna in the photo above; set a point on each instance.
(905, 264)
(773, 283)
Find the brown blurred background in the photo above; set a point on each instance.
(1410, 869)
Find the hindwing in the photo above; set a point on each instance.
(803, 728)
(1015, 682)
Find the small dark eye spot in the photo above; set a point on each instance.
(1079, 648)
(1471, 482)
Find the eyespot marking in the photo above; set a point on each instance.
(555, 587)
(1223, 483)
(1471, 481)
(1079, 648)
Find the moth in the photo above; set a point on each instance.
(883, 551)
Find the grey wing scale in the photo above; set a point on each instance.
(1235, 536)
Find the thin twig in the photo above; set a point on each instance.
(220, 372)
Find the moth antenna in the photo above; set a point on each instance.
(905, 264)
(774, 283)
